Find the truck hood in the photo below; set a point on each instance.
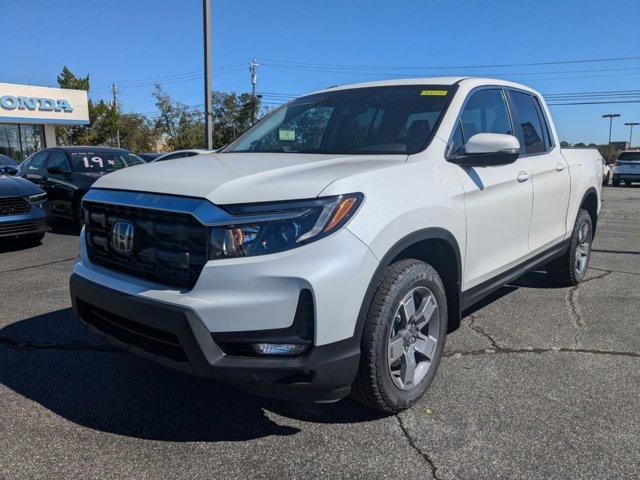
(227, 178)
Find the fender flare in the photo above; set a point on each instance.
(431, 233)
(590, 191)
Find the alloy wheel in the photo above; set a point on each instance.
(413, 338)
(583, 248)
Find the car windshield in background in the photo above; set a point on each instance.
(102, 161)
(372, 120)
(629, 157)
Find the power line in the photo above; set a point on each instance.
(447, 67)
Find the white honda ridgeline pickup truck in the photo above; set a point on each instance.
(332, 247)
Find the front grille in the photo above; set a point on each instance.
(14, 206)
(149, 339)
(22, 228)
(168, 248)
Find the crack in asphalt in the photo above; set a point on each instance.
(615, 271)
(571, 300)
(26, 345)
(424, 455)
(18, 269)
(507, 350)
(472, 325)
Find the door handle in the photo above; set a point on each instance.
(523, 176)
(559, 167)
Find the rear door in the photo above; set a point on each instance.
(549, 170)
(498, 199)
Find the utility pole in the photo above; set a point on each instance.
(254, 81)
(208, 117)
(631, 125)
(610, 116)
(117, 116)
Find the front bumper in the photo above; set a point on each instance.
(622, 175)
(175, 336)
(35, 221)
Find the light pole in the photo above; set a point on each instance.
(631, 125)
(208, 120)
(610, 116)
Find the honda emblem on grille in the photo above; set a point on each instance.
(122, 237)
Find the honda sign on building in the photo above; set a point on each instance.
(28, 115)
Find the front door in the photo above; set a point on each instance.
(58, 184)
(498, 199)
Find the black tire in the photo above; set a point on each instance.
(374, 386)
(605, 180)
(564, 271)
(627, 183)
(615, 182)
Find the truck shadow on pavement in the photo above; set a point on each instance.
(53, 360)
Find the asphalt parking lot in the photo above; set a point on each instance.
(539, 382)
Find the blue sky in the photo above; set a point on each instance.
(138, 42)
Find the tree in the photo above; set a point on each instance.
(608, 152)
(564, 144)
(101, 128)
(137, 133)
(579, 145)
(181, 126)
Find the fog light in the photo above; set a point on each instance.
(280, 348)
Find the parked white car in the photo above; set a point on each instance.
(606, 172)
(627, 168)
(180, 154)
(332, 247)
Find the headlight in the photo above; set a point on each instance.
(39, 198)
(275, 227)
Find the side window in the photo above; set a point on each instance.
(58, 159)
(545, 124)
(37, 163)
(528, 125)
(485, 112)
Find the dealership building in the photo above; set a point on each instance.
(29, 115)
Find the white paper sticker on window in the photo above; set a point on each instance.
(287, 135)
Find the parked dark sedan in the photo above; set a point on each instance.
(67, 173)
(21, 209)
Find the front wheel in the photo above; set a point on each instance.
(403, 337)
(570, 268)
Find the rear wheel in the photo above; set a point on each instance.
(571, 267)
(627, 183)
(403, 337)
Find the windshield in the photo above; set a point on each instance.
(629, 156)
(373, 120)
(102, 161)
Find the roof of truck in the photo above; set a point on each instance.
(425, 81)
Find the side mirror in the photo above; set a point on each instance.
(9, 170)
(488, 149)
(56, 170)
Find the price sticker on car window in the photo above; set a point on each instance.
(433, 93)
(287, 135)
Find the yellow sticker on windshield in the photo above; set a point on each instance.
(434, 93)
